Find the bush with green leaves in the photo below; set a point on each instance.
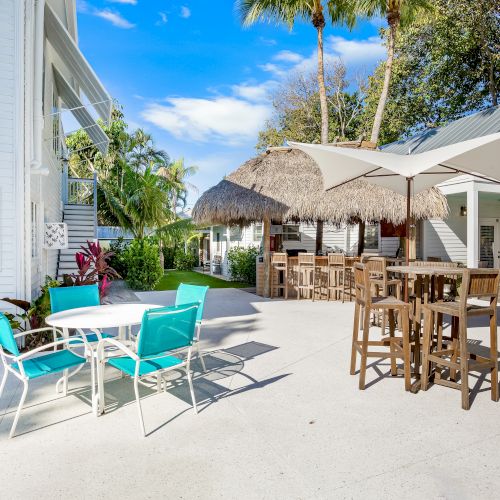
(116, 261)
(184, 261)
(142, 261)
(242, 264)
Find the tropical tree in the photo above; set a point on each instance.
(396, 12)
(313, 11)
(175, 175)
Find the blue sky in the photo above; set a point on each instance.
(191, 75)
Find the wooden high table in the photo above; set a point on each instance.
(428, 288)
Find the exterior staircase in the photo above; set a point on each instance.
(80, 214)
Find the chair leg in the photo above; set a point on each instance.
(4, 379)
(65, 382)
(191, 390)
(426, 349)
(494, 357)
(364, 350)
(392, 329)
(355, 334)
(19, 408)
(464, 362)
(138, 399)
(404, 316)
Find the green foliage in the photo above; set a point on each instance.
(116, 261)
(142, 261)
(297, 112)
(242, 264)
(184, 261)
(444, 68)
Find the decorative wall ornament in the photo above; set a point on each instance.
(56, 235)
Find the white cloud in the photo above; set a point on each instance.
(163, 18)
(128, 2)
(255, 92)
(185, 12)
(273, 68)
(267, 41)
(115, 18)
(365, 51)
(230, 120)
(288, 56)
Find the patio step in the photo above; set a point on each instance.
(81, 228)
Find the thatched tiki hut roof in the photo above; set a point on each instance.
(286, 184)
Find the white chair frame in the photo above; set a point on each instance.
(101, 361)
(8, 359)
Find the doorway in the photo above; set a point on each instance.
(489, 248)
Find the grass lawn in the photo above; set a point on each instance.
(173, 279)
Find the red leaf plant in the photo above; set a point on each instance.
(93, 267)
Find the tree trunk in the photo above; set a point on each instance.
(319, 236)
(361, 238)
(266, 232)
(321, 87)
(319, 23)
(377, 121)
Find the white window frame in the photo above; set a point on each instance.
(255, 230)
(35, 232)
(296, 232)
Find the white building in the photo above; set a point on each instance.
(470, 235)
(42, 72)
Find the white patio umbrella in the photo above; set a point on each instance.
(407, 174)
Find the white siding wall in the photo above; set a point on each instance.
(11, 156)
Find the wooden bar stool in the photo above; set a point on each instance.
(399, 347)
(279, 264)
(383, 283)
(476, 283)
(306, 274)
(337, 276)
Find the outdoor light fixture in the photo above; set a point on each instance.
(463, 211)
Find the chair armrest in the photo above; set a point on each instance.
(53, 344)
(36, 330)
(122, 347)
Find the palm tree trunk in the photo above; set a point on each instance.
(321, 87)
(377, 121)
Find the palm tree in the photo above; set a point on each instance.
(287, 11)
(175, 174)
(396, 12)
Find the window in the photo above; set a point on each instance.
(34, 230)
(235, 233)
(372, 231)
(257, 232)
(291, 232)
(217, 239)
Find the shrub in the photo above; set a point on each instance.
(142, 262)
(116, 261)
(242, 264)
(184, 261)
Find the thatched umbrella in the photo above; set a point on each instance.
(286, 184)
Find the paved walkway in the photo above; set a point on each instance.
(281, 418)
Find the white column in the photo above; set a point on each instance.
(472, 226)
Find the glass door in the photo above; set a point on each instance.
(488, 243)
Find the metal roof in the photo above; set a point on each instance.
(469, 127)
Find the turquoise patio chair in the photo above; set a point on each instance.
(25, 367)
(188, 294)
(163, 330)
(71, 297)
(65, 298)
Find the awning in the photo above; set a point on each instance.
(478, 156)
(80, 69)
(80, 112)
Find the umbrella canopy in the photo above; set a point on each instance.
(286, 184)
(478, 156)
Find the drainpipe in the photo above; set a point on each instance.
(38, 62)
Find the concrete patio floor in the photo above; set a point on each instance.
(280, 418)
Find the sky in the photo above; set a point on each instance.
(188, 72)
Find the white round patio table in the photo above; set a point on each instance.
(103, 317)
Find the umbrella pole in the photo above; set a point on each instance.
(408, 217)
